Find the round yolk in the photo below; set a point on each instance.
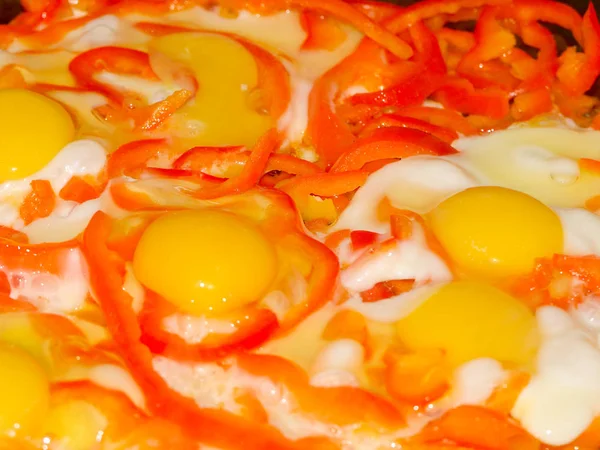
(496, 232)
(471, 320)
(24, 391)
(205, 262)
(34, 129)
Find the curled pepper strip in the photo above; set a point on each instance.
(211, 426)
(386, 143)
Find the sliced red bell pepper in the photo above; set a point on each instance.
(253, 327)
(430, 8)
(530, 104)
(479, 427)
(392, 142)
(118, 60)
(210, 426)
(396, 120)
(202, 159)
(550, 11)
(39, 203)
(80, 189)
(322, 33)
(460, 95)
(415, 80)
(440, 117)
(578, 72)
(133, 158)
(342, 405)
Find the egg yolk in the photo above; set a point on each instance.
(205, 262)
(24, 391)
(496, 232)
(77, 423)
(223, 111)
(34, 129)
(471, 320)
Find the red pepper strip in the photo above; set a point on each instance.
(463, 41)
(252, 171)
(122, 61)
(418, 80)
(48, 257)
(327, 133)
(203, 158)
(393, 142)
(375, 10)
(479, 427)
(460, 95)
(321, 281)
(80, 189)
(132, 158)
(150, 117)
(253, 327)
(349, 14)
(396, 120)
(322, 33)
(440, 117)
(430, 8)
(273, 78)
(579, 72)
(39, 203)
(530, 104)
(336, 405)
(492, 41)
(542, 76)
(324, 185)
(386, 289)
(545, 11)
(11, 77)
(214, 427)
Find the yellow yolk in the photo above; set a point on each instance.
(205, 262)
(222, 112)
(472, 320)
(496, 232)
(76, 424)
(24, 391)
(34, 129)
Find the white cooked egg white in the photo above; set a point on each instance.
(79, 158)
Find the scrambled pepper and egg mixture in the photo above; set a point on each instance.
(299, 224)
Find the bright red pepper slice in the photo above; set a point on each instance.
(393, 142)
(460, 95)
(396, 120)
(418, 79)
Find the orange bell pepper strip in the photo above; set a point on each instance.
(210, 426)
(203, 158)
(253, 327)
(393, 142)
(322, 33)
(396, 120)
(427, 9)
(478, 427)
(578, 72)
(39, 203)
(418, 79)
(416, 377)
(252, 171)
(347, 324)
(347, 13)
(79, 189)
(132, 158)
(440, 117)
(324, 185)
(550, 11)
(460, 95)
(386, 289)
(336, 405)
(530, 104)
